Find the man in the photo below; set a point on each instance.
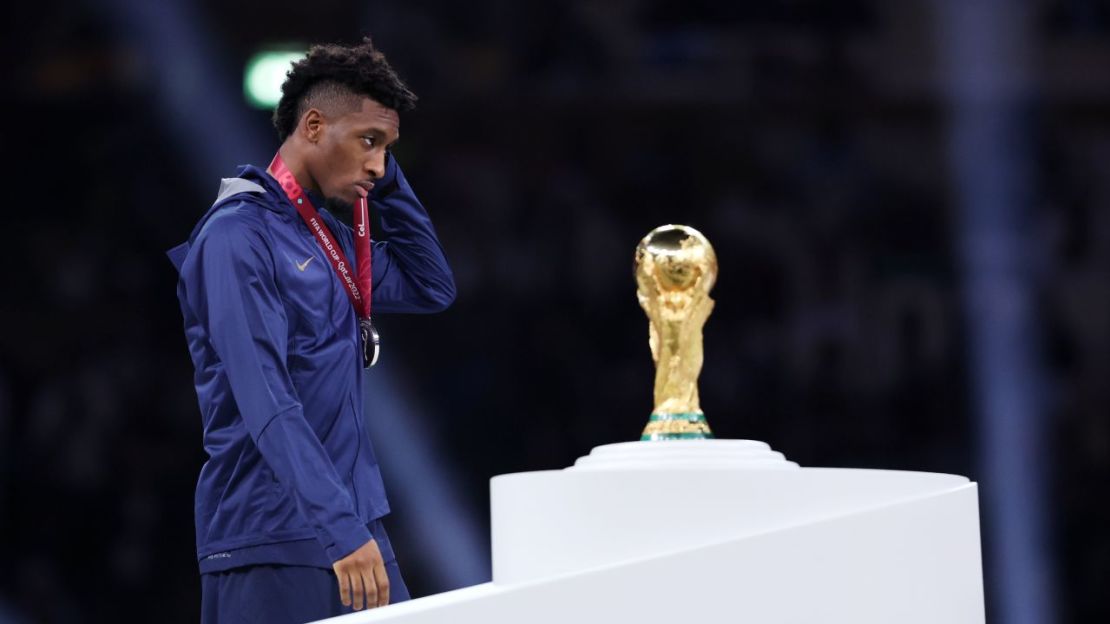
(276, 293)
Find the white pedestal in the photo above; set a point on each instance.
(720, 531)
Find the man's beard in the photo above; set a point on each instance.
(344, 211)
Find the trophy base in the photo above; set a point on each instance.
(685, 455)
(681, 426)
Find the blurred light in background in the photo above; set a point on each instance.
(988, 76)
(198, 105)
(264, 74)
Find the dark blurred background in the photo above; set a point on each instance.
(908, 200)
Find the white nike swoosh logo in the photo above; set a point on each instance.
(303, 265)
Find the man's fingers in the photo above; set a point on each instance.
(363, 582)
(383, 583)
(344, 588)
(359, 590)
(371, 588)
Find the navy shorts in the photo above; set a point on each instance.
(277, 594)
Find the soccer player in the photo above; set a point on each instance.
(277, 295)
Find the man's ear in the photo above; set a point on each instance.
(312, 125)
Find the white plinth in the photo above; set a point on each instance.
(720, 531)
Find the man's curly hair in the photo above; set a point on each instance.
(336, 70)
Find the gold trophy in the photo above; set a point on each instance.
(676, 268)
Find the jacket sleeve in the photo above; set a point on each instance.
(410, 269)
(233, 291)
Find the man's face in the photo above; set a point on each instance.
(350, 152)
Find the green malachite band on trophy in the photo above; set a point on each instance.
(677, 436)
(681, 426)
(693, 417)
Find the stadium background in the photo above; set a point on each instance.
(908, 200)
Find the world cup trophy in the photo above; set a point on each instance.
(676, 268)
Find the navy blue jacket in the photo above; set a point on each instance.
(291, 476)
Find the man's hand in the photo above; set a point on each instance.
(362, 573)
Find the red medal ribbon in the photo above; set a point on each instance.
(358, 293)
